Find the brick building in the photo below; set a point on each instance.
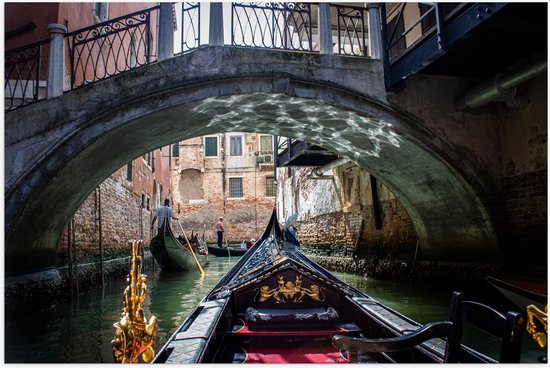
(227, 175)
(121, 208)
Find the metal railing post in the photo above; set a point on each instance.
(439, 21)
(375, 34)
(216, 24)
(166, 32)
(56, 61)
(325, 29)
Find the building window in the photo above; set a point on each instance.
(129, 171)
(147, 158)
(210, 146)
(235, 187)
(153, 161)
(236, 145)
(266, 143)
(148, 203)
(142, 200)
(270, 187)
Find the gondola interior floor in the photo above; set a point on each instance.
(286, 346)
(290, 355)
(285, 351)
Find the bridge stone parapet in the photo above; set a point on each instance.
(57, 151)
(221, 64)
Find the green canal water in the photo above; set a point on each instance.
(81, 331)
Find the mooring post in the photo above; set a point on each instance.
(100, 230)
(70, 258)
(75, 257)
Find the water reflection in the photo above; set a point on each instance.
(81, 332)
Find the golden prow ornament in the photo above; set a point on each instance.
(134, 337)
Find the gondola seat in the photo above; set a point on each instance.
(508, 328)
(289, 336)
(376, 349)
(287, 318)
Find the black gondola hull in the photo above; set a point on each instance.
(171, 255)
(225, 251)
(277, 306)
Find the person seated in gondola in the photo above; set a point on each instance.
(250, 243)
(194, 242)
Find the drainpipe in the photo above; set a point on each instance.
(502, 88)
(318, 172)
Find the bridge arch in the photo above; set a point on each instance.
(85, 135)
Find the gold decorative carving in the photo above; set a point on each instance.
(134, 337)
(535, 314)
(289, 292)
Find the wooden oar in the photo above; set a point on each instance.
(227, 247)
(191, 249)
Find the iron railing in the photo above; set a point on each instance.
(112, 47)
(351, 29)
(22, 76)
(284, 26)
(109, 48)
(431, 19)
(190, 26)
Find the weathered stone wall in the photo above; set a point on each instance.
(507, 146)
(337, 214)
(523, 136)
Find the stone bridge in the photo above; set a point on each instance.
(58, 150)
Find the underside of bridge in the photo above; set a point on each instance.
(93, 131)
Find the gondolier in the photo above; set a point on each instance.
(220, 230)
(163, 213)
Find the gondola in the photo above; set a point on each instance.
(277, 306)
(172, 255)
(522, 291)
(228, 251)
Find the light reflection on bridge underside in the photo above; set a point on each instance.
(300, 118)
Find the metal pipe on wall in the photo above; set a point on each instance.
(318, 172)
(502, 88)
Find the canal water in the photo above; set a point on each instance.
(81, 331)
